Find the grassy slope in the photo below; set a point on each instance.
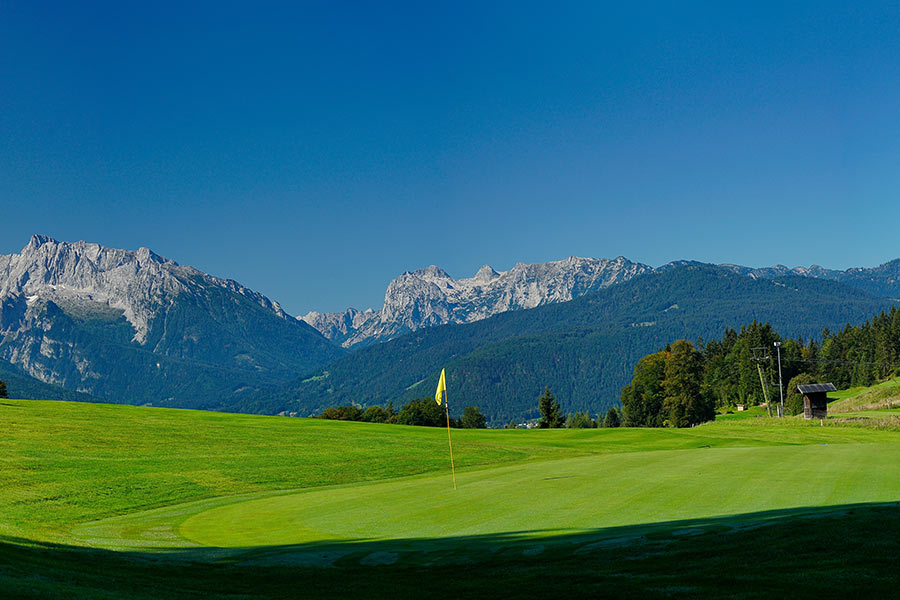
(63, 466)
(71, 463)
(884, 395)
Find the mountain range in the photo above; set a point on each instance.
(81, 321)
(429, 297)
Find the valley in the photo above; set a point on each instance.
(82, 321)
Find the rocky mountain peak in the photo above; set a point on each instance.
(431, 272)
(134, 326)
(486, 274)
(134, 282)
(39, 240)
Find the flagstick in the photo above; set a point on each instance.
(449, 441)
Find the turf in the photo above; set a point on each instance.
(168, 503)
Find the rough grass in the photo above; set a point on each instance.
(882, 396)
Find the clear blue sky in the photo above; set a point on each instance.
(313, 151)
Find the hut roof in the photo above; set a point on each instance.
(812, 388)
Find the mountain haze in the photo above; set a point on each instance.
(883, 280)
(21, 385)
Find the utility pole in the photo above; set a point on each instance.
(765, 393)
(780, 384)
(760, 354)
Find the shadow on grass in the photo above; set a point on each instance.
(825, 552)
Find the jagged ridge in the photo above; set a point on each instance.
(429, 297)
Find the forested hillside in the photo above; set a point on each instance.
(584, 350)
(742, 367)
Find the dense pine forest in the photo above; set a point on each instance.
(682, 384)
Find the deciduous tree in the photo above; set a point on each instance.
(473, 419)
(427, 413)
(684, 405)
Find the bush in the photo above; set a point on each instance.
(793, 402)
(342, 413)
(376, 414)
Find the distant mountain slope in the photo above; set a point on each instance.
(135, 327)
(583, 349)
(430, 297)
(22, 386)
(883, 280)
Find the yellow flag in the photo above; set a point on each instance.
(442, 389)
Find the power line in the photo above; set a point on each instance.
(841, 362)
(760, 354)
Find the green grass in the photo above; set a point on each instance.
(751, 412)
(575, 495)
(111, 501)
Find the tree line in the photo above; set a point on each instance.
(684, 384)
(553, 418)
(424, 412)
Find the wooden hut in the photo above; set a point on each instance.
(815, 399)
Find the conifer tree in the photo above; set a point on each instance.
(612, 418)
(551, 417)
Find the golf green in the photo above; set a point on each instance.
(562, 496)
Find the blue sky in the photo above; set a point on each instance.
(313, 151)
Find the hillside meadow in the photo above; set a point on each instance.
(111, 501)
